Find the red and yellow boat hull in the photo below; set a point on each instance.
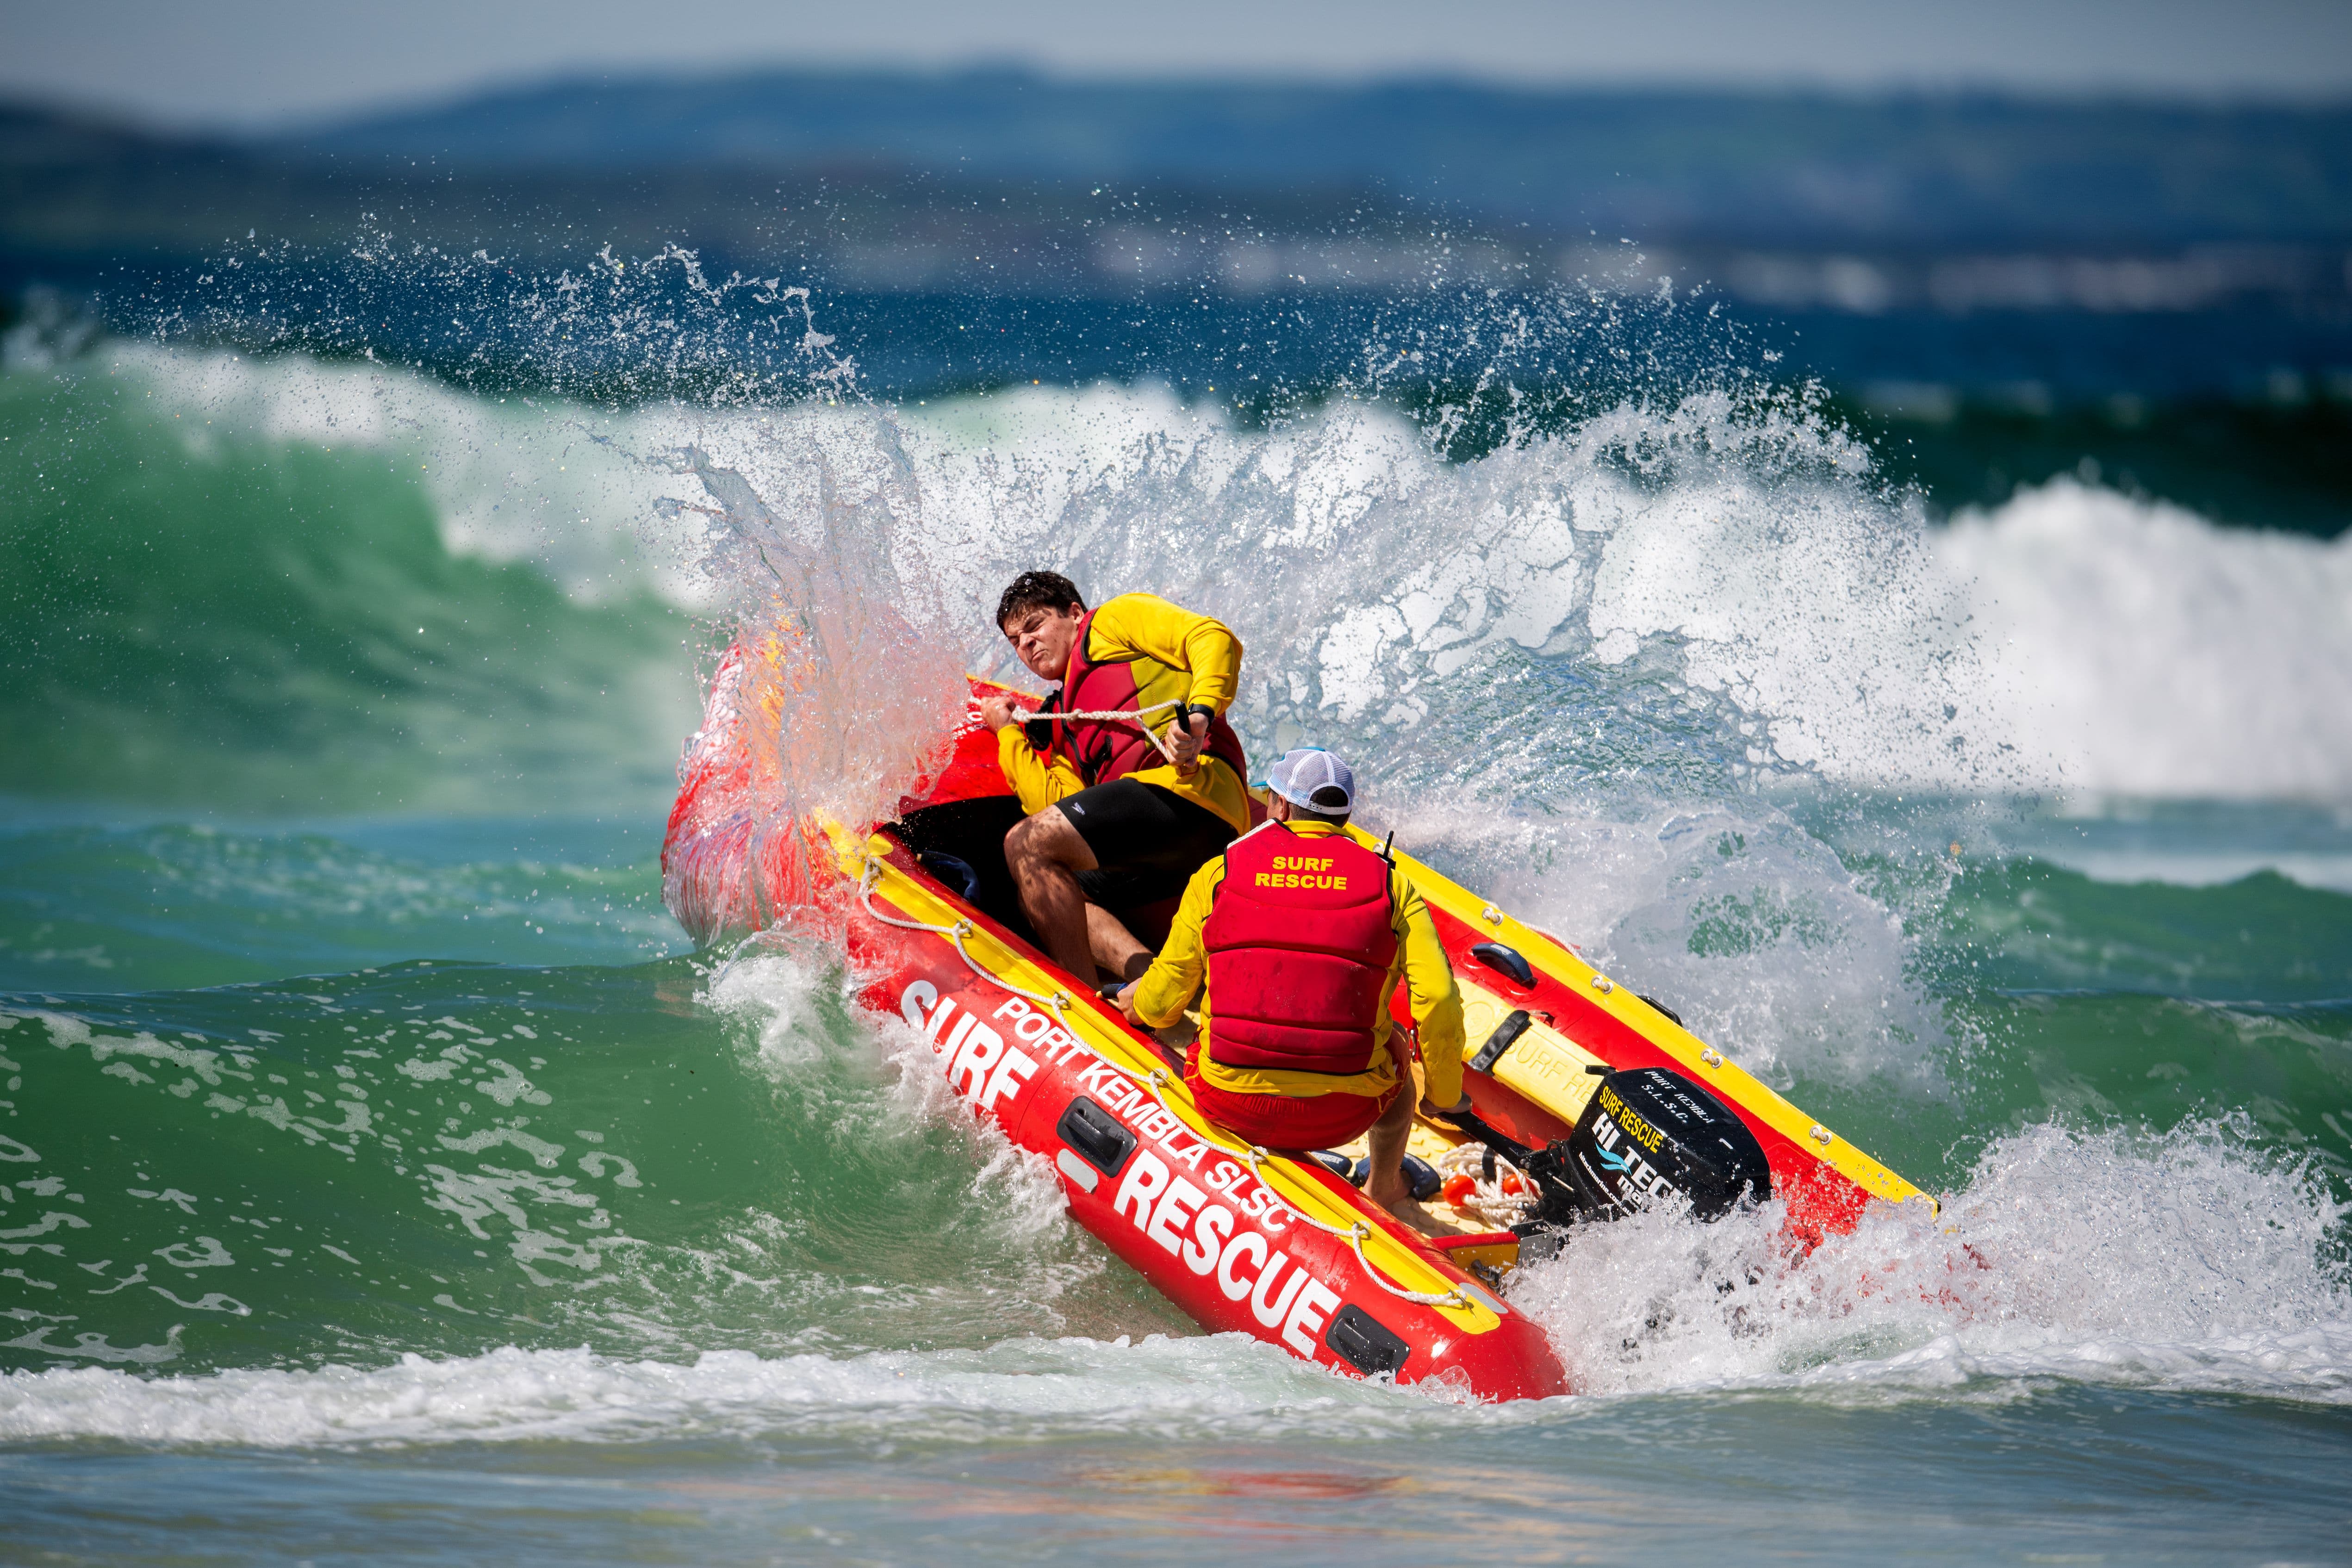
(1266, 1243)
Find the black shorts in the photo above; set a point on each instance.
(1147, 841)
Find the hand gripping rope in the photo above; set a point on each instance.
(1352, 1233)
(1134, 717)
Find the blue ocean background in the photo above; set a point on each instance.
(1873, 573)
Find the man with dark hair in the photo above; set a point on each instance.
(1123, 805)
(1299, 935)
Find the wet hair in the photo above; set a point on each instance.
(1037, 591)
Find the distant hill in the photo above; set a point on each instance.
(1809, 170)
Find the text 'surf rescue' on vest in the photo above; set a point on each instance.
(1299, 946)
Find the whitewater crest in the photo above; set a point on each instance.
(2152, 654)
(1199, 1387)
(1652, 601)
(1601, 603)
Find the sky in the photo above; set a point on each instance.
(257, 63)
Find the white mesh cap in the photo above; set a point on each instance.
(1301, 776)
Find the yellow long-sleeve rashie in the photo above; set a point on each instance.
(1420, 963)
(1176, 654)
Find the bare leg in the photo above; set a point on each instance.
(1044, 853)
(1115, 947)
(1385, 1184)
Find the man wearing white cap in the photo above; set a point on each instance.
(1302, 935)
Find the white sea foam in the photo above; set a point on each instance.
(1183, 1387)
(2178, 1262)
(1750, 928)
(2175, 1264)
(1621, 623)
(2153, 654)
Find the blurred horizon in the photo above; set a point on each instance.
(273, 66)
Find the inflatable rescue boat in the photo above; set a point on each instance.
(1589, 1100)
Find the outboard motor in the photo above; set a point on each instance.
(1646, 1133)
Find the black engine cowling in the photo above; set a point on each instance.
(1647, 1134)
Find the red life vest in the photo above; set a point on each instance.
(1103, 750)
(1299, 946)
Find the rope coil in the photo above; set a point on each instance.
(1489, 1201)
(1353, 1234)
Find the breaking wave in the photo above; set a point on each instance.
(1652, 601)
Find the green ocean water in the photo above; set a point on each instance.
(382, 1173)
(206, 612)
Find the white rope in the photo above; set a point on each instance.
(1353, 1234)
(1132, 716)
(954, 933)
